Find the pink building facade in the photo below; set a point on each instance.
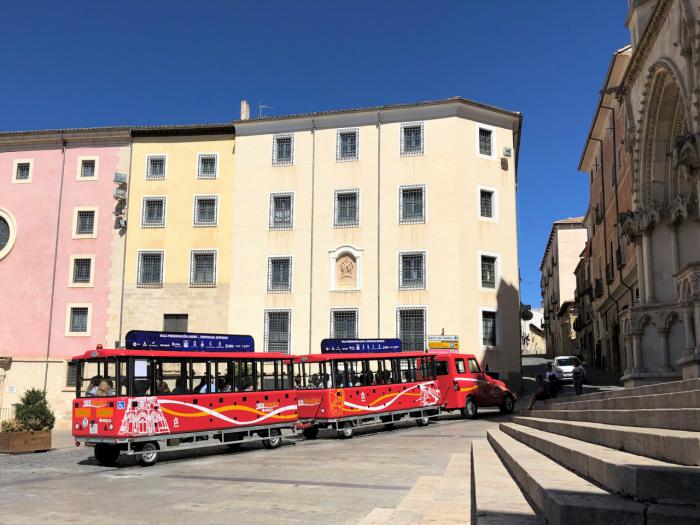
(61, 255)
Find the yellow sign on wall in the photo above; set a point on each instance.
(443, 342)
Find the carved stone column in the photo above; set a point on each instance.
(674, 248)
(663, 348)
(637, 352)
(628, 354)
(648, 267)
(640, 273)
(696, 310)
(689, 332)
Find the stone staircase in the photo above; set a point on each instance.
(621, 457)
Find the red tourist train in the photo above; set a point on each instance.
(168, 391)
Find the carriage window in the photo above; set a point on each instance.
(141, 384)
(340, 374)
(312, 375)
(459, 363)
(285, 370)
(169, 378)
(267, 376)
(474, 366)
(441, 368)
(243, 376)
(123, 389)
(198, 377)
(223, 373)
(90, 379)
(356, 374)
(372, 372)
(408, 369)
(426, 368)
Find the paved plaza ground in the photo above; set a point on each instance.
(402, 476)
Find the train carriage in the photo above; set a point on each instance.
(357, 383)
(140, 402)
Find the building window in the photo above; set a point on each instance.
(283, 150)
(78, 322)
(347, 204)
(203, 269)
(344, 324)
(150, 270)
(175, 322)
(153, 212)
(7, 233)
(488, 271)
(278, 331)
(279, 274)
(87, 169)
(486, 142)
(206, 210)
(23, 171)
(82, 270)
(85, 223)
(486, 204)
(207, 166)
(71, 374)
(281, 211)
(155, 167)
(410, 328)
(488, 328)
(412, 139)
(4, 233)
(347, 145)
(411, 204)
(411, 270)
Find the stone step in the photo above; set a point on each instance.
(672, 418)
(639, 477)
(563, 497)
(496, 498)
(658, 388)
(685, 399)
(675, 446)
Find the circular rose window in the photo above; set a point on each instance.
(7, 232)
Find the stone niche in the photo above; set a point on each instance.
(345, 269)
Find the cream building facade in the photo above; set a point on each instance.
(398, 221)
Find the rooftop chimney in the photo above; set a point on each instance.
(245, 110)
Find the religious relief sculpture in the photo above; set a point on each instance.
(678, 209)
(686, 158)
(346, 272)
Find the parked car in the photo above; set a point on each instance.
(566, 364)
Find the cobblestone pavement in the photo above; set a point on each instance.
(404, 475)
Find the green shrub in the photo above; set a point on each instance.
(31, 413)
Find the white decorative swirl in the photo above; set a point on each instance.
(225, 418)
(377, 408)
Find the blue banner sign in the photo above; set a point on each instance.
(359, 346)
(146, 340)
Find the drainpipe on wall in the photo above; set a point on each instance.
(311, 262)
(379, 209)
(126, 235)
(55, 257)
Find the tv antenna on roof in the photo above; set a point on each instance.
(261, 106)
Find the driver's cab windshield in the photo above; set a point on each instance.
(98, 378)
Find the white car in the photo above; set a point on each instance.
(566, 364)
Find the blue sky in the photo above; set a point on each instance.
(76, 64)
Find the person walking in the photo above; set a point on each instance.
(577, 375)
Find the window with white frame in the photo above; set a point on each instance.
(488, 328)
(155, 167)
(153, 212)
(283, 150)
(207, 166)
(486, 204)
(281, 211)
(278, 331)
(279, 274)
(85, 223)
(23, 171)
(486, 142)
(82, 270)
(488, 271)
(206, 210)
(347, 208)
(78, 322)
(343, 324)
(411, 204)
(347, 146)
(150, 270)
(203, 268)
(411, 328)
(411, 270)
(411, 139)
(88, 168)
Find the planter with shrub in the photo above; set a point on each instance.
(30, 429)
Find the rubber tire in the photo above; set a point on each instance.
(151, 458)
(507, 405)
(423, 421)
(311, 432)
(346, 431)
(106, 455)
(274, 440)
(466, 411)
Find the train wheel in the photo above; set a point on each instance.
(106, 455)
(149, 454)
(423, 421)
(311, 432)
(274, 440)
(507, 405)
(470, 408)
(346, 430)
